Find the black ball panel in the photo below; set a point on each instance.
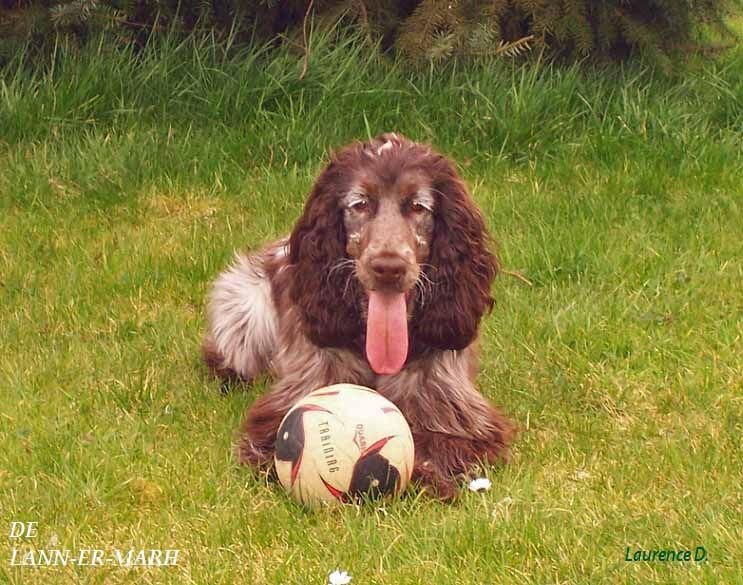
(290, 437)
(373, 475)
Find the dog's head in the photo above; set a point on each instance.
(391, 245)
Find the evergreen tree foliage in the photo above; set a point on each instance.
(419, 30)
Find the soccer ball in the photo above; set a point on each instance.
(341, 442)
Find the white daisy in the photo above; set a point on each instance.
(481, 484)
(339, 578)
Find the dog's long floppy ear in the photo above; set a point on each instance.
(325, 292)
(462, 267)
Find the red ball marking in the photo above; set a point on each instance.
(331, 393)
(336, 493)
(315, 407)
(295, 470)
(376, 447)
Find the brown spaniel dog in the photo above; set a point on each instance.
(382, 283)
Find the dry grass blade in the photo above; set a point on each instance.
(515, 48)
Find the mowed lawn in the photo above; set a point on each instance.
(614, 195)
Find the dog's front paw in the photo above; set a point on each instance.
(435, 481)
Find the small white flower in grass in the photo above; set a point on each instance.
(54, 540)
(582, 474)
(339, 578)
(481, 484)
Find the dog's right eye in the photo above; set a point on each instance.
(360, 205)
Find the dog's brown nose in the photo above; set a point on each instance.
(388, 269)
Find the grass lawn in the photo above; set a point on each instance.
(127, 184)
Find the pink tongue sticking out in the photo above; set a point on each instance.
(386, 332)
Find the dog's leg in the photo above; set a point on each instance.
(442, 461)
(454, 427)
(241, 336)
(258, 436)
(301, 368)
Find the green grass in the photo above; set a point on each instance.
(126, 185)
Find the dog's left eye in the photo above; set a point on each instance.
(419, 207)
